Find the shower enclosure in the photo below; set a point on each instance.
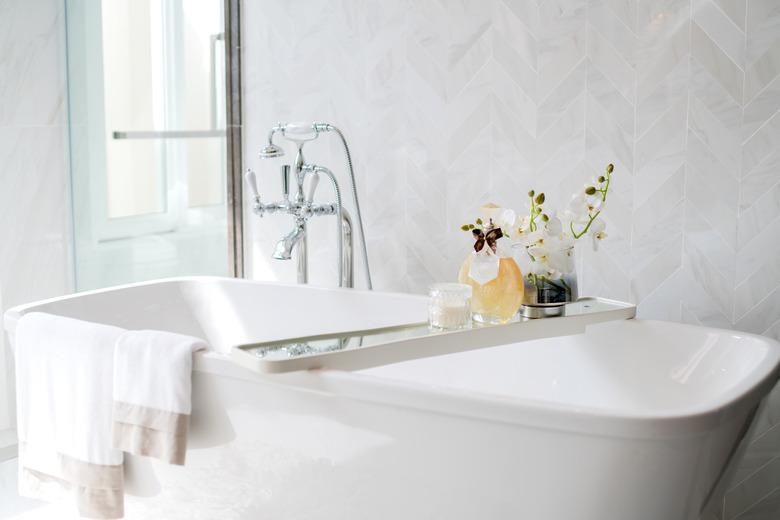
(148, 140)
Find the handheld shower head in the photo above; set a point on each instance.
(271, 151)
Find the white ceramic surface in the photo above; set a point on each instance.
(633, 419)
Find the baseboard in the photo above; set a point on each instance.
(8, 448)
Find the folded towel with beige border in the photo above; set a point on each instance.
(88, 392)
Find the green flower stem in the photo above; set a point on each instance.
(603, 192)
(532, 223)
(587, 227)
(539, 280)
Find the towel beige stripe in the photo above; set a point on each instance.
(150, 432)
(97, 487)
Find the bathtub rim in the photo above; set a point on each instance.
(506, 409)
(518, 412)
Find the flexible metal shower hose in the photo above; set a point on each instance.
(357, 204)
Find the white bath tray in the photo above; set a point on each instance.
(358, 349)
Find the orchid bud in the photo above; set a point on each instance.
(590, 190)
(531, 193)
(610, 167)
(601, 178)
(465, 227)
(479, 221)
(545, 218)
(540, 198)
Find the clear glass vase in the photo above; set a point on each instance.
(498, 300)
(551, 282)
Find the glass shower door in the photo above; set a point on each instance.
(148, 146)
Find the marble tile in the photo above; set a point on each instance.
(619, 142)
(710, 240)
(668, 127)
(718, 64)
(516, 34)
(660, 212)
(765, 509)
(761, 109)
(610, 25)
(604, 56)
(759, 181)
(606, 94)
(764, 209)
(735, 10)
(762, 72)
(559, 99)
(721, 28)
(32, 63)
(718, 176)
(723, 144)
(514, 65)
(35, 253)
(660, 88)
(646, 280)
(527, 13)
(752, 491)
(626, 10)
(763, 449)
(755, 288)
(656, 60)
(763, 316)
(762, 25)
(760, 146)
(663, 303)
(757, 252)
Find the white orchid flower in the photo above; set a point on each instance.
(595, 203)
(597, 232)
(554, 226)
(578, 210)
(564, 261)
(521, 228)
(536, 238)
(540, 264)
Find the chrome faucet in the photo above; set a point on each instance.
(284, 247)
(302, 208)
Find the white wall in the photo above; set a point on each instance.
(452, 104)
(34, 219)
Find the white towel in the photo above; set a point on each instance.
(64, 382)
(152, 393)
(86, 392)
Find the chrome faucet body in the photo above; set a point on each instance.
(302, 207)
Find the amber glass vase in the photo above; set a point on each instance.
(498, 300)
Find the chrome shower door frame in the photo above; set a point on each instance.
(233, 133)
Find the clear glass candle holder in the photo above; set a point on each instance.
(450, 306)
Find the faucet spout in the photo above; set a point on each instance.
(284, 247)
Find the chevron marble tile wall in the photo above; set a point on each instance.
(449, 104)
(35, 252)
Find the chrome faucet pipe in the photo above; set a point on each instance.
(313, 168)
(348, 275)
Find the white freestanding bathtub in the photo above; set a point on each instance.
(632, 420)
